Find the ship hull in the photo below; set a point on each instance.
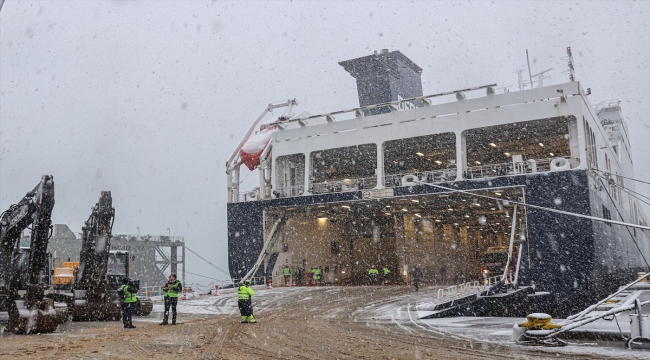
(575, 260)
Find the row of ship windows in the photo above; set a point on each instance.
(524, 147)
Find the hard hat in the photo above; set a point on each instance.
(247, 282)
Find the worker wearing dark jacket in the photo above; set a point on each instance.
(244, 295)
(417, 276)
(172, 288)
(128, 304)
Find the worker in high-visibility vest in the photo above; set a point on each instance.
(386, 271)
(244, 295)
(373, 273)
(128, 304)
(318, 275)
(287, 275)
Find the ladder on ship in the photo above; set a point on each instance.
(269, 242)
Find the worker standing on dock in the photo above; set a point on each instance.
(417, 275)
(386, 271)
(244, 296)
(172, 288)
(372, 275)
(287, 275)
(128, 305)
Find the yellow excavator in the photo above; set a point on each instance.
(89, 286)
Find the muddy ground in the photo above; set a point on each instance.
(303, 323)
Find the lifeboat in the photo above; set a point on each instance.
(251, 150)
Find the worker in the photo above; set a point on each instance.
(312, 275)
(287, 275)
(417, 275)
(128, 304)
(244, 295)
(372, 274)
(386, 271)
(298, 276)
(318, 275)
(172, 288)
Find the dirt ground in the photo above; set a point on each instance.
(305, 323)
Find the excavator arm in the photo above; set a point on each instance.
(22, 292)
(95, 248)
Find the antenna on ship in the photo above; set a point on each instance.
(540, 77)
(569, 58)
(520, 79)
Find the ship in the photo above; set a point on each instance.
(534, 188)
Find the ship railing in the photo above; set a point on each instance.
(456, 292)
(431, 177)
(504, 169)
(338, 186)
(289, 191)
(459, 291)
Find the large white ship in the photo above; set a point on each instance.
(463, 185)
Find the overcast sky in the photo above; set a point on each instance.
(148, 98)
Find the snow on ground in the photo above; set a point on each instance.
(402, 310)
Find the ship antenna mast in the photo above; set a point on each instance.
(569, 58)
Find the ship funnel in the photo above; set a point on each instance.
(383, 77)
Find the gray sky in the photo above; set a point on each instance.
(147, 99)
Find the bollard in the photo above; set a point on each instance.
(216, 290)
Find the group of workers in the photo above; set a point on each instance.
(373, 273)
(244, 293)
(128, 294)
(315, 276)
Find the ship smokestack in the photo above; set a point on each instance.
(383, 77)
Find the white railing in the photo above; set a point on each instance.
(431, 177)
(336, 186)
(290, 191)
(504, 169)
(161, 238)
(455, 292)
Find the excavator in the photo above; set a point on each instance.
(99, 273)
(24, 273)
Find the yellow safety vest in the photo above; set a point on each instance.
(244, 292)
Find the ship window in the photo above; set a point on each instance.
(431, 158)
(346, 168)
(290, 175)
(521, 147)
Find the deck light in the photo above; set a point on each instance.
(466, 215)
(419, 154)
(498, 193)
(540, 144)
(389, 214)
(450, 209)
(388, 206)
(551, 154)
(438, 220)
(506, 154)
(418, 215)
(415, 201)
(404, 210)
(493, 144)
(478, 162)
(497, 223)
(345, 206)
(438, 162)
(455, 224)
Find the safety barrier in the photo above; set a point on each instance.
(469, 288)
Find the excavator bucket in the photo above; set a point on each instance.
(38, 318)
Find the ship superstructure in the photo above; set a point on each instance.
(349, 190)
